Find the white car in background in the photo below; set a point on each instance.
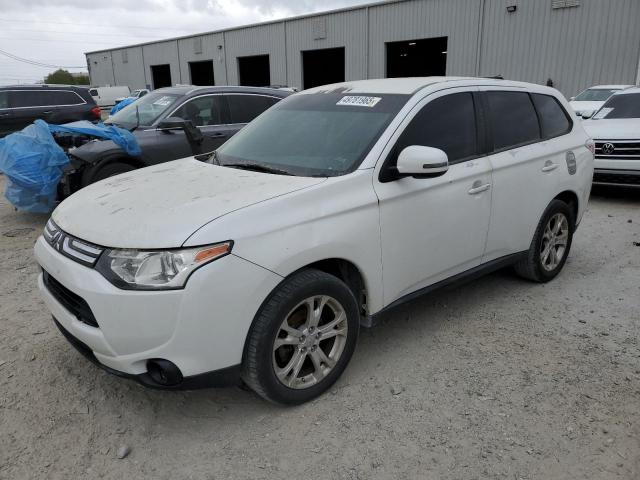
(138, 93)
(590, 100)
(340, 202)
(615, 129)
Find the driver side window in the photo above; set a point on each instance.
(447, 123)
(202, 111)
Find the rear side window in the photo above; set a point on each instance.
(245, 108)
(447, 123)
(553, 118)
(43, 98)
(513, 119)
(4, 100)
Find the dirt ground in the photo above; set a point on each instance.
(497, 379)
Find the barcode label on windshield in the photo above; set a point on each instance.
(356, 101)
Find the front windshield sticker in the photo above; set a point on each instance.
(603, 113)
(163, 101)
(358, 101)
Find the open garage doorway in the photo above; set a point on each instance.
(417, 58)
(161, 75)
(201, 73)
(320, 67)
(254, 71)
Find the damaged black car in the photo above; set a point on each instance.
(169, 123)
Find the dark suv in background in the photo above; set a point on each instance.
(20, 105)
(168, 123)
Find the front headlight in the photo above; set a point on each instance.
(157, 269)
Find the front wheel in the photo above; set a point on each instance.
(302, 338)
(550, 245)
(108, 170)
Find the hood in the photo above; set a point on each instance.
(585, 106)
(614, 129)
(161, 206)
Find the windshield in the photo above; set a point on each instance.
(322, 134)
(595, 95)
(149, 107)
(626, 105)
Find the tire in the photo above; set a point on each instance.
(105, 171)
(538, 266)
(309, 359)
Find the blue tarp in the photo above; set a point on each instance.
(33, 162)
(120, 105)
(121, 137)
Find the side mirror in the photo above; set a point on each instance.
(422, 162)
(587, 114)
(193, 133)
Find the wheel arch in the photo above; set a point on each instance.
(570, 198)
(349, 273)
(91, 170)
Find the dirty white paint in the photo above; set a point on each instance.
(161, 206)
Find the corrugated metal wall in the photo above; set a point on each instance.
(101, 68)
(345, 29)
(266, 39)
(161, 53)
(455, 19)
(210, 47)
(128, 67)
(597, 42)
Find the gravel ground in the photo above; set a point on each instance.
(497, 379)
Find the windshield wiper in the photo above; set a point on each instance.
(256, 167)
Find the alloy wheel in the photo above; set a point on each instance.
(310, 341)
(554, 241)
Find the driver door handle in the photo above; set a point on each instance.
(549, 166)
(478, 188)
(218, 135)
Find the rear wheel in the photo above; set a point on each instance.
(550, 245)
(302, 338)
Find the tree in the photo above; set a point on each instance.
(60, 77)
(82, 80)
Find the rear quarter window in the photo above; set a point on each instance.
(554, 119)
(244, 108)
(513, 119)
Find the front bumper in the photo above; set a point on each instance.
(201, 328)
(626, 178)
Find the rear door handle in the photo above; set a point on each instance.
(477, 188)
(549, 166)
(48, 112)
(218, 135)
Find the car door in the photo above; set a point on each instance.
(434, 228)
(209, 113)
(525, 170)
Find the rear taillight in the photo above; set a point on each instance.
(96, 112)
(591, 145)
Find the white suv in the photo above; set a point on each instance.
(340, 202)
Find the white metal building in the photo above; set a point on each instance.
(575, 43)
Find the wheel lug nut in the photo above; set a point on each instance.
(311, 329)
(303, 349)
(302, 338)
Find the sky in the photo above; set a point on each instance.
(58, 32)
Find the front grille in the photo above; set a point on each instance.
(82, 252)
(69, 300)
(609, 177)
(618, 149)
